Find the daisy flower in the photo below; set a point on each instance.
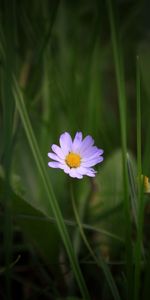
(76, 157)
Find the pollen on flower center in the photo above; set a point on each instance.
(73, 160)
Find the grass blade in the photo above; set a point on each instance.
(122, 110)
(51, 196)
(8, 59)
(140, 195)
(133, 190)
(99, 261)
(134, 197)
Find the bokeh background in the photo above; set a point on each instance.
(61, 56)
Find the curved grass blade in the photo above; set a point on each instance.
(122, 111)
(140, 194)
(71, 223)
(100, 262)
(51, 196)
(134, 195)
(3, 270)
(133, 190)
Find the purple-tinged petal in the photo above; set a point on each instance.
(84, 171)
(77, 142)
(55, 157)
(66, 169)
(92, 162)
(86, 159)
(79, 176)
(91, 174)
(65, 142)
(74, 173)
(92, 170)
(86, 143)
(53, 164)
(58, 151)
(92, 151)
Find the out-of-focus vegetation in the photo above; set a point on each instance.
(57, 59)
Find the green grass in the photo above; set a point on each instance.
(122, 102)
(99, 261)
(140, 196)
(51, 196)
(68, 66)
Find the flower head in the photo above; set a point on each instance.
(76, 157)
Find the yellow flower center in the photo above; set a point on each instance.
(73, 160)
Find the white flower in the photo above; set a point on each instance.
(75, 157)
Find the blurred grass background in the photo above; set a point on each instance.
(61, 54)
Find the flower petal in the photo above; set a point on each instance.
(92, 162)
(65, 142)
(66, 169)
(74, 173)
(91, 151)
(77, 142)
(54, 164)
(91, 174)
(86, 159)
(85, 171)
(58, 151)
(55, 157)
(86, 143)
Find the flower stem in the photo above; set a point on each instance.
(100, 262)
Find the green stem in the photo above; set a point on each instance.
(51, 196)
(122, 110)
(100, 262)
(138, 248)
